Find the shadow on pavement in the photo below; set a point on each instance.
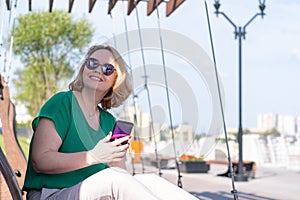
(228, 196)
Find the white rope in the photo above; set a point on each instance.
(2, 10)
(113, 32)
(179, 183)
(148, 94)
(11, 23)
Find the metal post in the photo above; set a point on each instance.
(240, 33)
(240, 176)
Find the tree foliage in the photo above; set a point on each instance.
(48, 45)
(273, 132)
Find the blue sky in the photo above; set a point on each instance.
(271, 58)
(270, 53)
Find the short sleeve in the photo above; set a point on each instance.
(57, 109)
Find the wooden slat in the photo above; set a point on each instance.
(111, 5)
(152, 5)
(131, 5)
(71, 2)
(8, 4)
(91, 5)
(173, 5)
(50, 5)
(29, 5)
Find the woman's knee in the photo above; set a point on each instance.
(112, 182)
(108, 178)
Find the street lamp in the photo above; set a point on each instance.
(240, 32)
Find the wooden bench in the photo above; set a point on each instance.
(248, 166)
(10, 178)
(14, 160)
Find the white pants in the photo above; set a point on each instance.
(116, 184)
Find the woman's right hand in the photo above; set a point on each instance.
(106, 151)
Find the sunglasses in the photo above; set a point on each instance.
(93, 63)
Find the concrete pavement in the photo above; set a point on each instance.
(270, 183)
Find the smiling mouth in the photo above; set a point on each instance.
(96, 78)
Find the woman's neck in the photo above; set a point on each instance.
(89, 101)
(91, 97)
(89, 106)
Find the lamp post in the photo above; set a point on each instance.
(240, 33)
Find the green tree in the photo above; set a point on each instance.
(198, 137)
(273, 132)
(48, 45)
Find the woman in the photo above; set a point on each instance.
(71, 156)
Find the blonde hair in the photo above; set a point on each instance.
(122, 87)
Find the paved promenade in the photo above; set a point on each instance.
(270, 183)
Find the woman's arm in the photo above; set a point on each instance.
(46, 158)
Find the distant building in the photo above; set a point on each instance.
(266, 121)
(285, 124)
(298, 125)
(147, 131)
(184, 133)
(143, 125)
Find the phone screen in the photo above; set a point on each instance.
(121, 129)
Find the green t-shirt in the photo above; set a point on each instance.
(72, 127)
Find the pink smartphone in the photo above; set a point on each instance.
(121, 129)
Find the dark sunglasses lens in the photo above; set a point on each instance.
(108, 69)
(92, 63)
